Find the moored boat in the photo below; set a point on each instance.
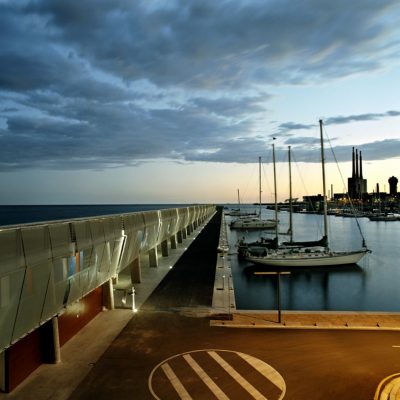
(385, 217)
(254, 223)
(309, 256)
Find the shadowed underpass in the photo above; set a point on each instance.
(190, 283)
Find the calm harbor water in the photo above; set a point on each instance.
(371, 285)
(23, 214)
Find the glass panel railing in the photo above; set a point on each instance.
(10, 291)
(34, 290)
(58, 287)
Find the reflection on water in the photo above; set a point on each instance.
(370, 285)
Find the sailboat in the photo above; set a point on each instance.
(260, 246)
(323, 242)
(309, 256)
(238, 212)
(263, 243)
(254, 222)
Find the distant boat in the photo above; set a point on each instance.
(308, 256)
(238, 212)
(254, 223)
(385, 217)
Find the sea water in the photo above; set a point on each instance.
(371, 285)
(23, 214)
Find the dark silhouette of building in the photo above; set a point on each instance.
(393, 185)
(357, 185)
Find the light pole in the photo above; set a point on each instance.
(278, 287)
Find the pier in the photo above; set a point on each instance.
(57, 276)
(179, 317)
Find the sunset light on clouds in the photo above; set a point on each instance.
(174, 101)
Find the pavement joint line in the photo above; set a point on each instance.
(215, 323)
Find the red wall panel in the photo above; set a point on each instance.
(79, 314)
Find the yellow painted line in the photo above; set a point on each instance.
(263, 368)
(175, 382)
(235, 375)
(218, 393)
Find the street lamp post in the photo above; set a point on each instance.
(278, 288)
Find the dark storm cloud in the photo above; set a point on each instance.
(96, 84)
(303, 140)
(226, 44)
(307, 148)
(361, 117)
(378, 150)
(230, 107)
(240, 150)
(337, 120)
(293, 126)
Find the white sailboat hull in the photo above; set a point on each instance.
(313, 259)
(253, 223)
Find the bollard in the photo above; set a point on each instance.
(133, 300)
(229, 297)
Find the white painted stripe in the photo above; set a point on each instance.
(394, 394)
(384, 395)
(270, 373)
(387, 392)
(175, 382)
(235, 375)
(218, 393)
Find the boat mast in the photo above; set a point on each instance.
(276, 198)
(259, 185)
(238, 198)
(323, 181)
(290, 199)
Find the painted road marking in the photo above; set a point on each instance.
(265, 370)
(205, 378)
(235, 375)
(212, 373)
(388, 388)
(175, 382)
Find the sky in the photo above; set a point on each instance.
(174, 101)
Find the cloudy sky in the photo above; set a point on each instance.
(173, 101)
